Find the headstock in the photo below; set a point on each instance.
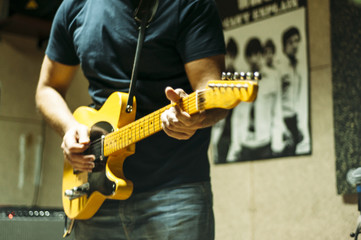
(231, 90)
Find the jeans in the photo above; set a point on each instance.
(182, 212)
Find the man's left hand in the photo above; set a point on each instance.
(177, 123)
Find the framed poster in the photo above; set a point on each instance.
(269, 37)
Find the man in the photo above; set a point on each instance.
(269, 51)
(183, 50)
(257, 128)
(291, 89)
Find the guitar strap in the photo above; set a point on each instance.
(143, 14)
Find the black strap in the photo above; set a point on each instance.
(145, 11)
(143, 14)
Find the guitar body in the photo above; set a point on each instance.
(107, 181)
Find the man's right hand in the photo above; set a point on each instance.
(75, 142)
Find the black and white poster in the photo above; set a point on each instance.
(269, 37)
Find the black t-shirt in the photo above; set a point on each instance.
(102, 37)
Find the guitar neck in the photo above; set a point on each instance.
(146, 126)
(218, 94)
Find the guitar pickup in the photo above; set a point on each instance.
(77, 192)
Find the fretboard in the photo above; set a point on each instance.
(145, 126)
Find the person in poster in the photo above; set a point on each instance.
(291, 88)
(260, 126)
(269, 51)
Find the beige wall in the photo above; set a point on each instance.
(23, 132)
(288, 198)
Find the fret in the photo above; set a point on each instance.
(135, 137)
(121, 136)
(188, 106)
(118, 142)
(159, 121)
(141, 130)
(153, 121)
(148, 125)
(123, 133)
(125, 137)
(133, 132)
(145, 130)
(130, 140)
(129, 135)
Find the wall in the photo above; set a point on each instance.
(290, 198)
(21, 128)
(27, 177)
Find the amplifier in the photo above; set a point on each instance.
(31, 224)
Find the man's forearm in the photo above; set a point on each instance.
(53, 107)
(213, 116)
(54, 80)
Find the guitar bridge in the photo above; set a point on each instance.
(77, 192)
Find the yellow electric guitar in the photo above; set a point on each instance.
(114, 134)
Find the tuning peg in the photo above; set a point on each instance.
(257, 76)
(229, 76)
(243, 75)
(224, 76)
(249, 76)
(236, 76)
